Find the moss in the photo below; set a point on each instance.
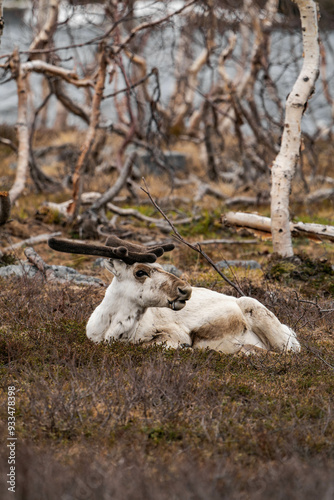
(7, 259)
(314, 276)
(160, 433)
(208, 225)
(50, 216)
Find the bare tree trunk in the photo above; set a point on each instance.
(48, 16)
(22, 127)
(73, 209)
(284, 166)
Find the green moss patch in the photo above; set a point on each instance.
(312, 275)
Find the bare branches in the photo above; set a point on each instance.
(41, 238)
(46, 33)
(196, 247)
(90, 137)
(51, 70)
(110, 194)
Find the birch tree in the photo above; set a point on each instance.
(284, 166)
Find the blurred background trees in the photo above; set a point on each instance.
(149, 78)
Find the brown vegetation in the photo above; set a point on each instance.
(134, 422)
(119, 421)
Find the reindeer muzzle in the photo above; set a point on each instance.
(184, 294)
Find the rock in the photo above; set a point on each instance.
(99, 262)
(172, 269)
(247, 264)
(61, 272)
(23, 269)
(173, 160)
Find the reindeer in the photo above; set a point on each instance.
(146, 304)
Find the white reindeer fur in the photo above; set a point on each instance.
(138, 310)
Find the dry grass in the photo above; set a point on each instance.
(135, 422)
(123, 421)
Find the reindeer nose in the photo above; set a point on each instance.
(184, 291)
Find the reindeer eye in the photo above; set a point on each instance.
(141, 273)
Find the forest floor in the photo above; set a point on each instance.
(122, 421)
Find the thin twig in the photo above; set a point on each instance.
(196, 247)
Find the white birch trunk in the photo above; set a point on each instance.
(20, 74)
(284, 166)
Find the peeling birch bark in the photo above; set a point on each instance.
(284, 166)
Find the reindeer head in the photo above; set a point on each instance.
(140, 279)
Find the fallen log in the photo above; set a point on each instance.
(261, 226)
(125, 212)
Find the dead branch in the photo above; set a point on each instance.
(151, 220)
(9, 143)
(262, 199)
(73, 209)
(205, 189)
(263, 224)
(37, 260)
(88, 198)
(49, 272)
(196, 247)
(57, 88)
(51, 70)
(31, 241)
(46, 33)
(152, 24)
(227, 242)
(110, 194)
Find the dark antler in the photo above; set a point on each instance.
(115, 249)
(157, 250)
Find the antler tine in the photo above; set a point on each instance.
(166, 247)
(140, 253)
(114, 241)
(115, 248)
(69, 246)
